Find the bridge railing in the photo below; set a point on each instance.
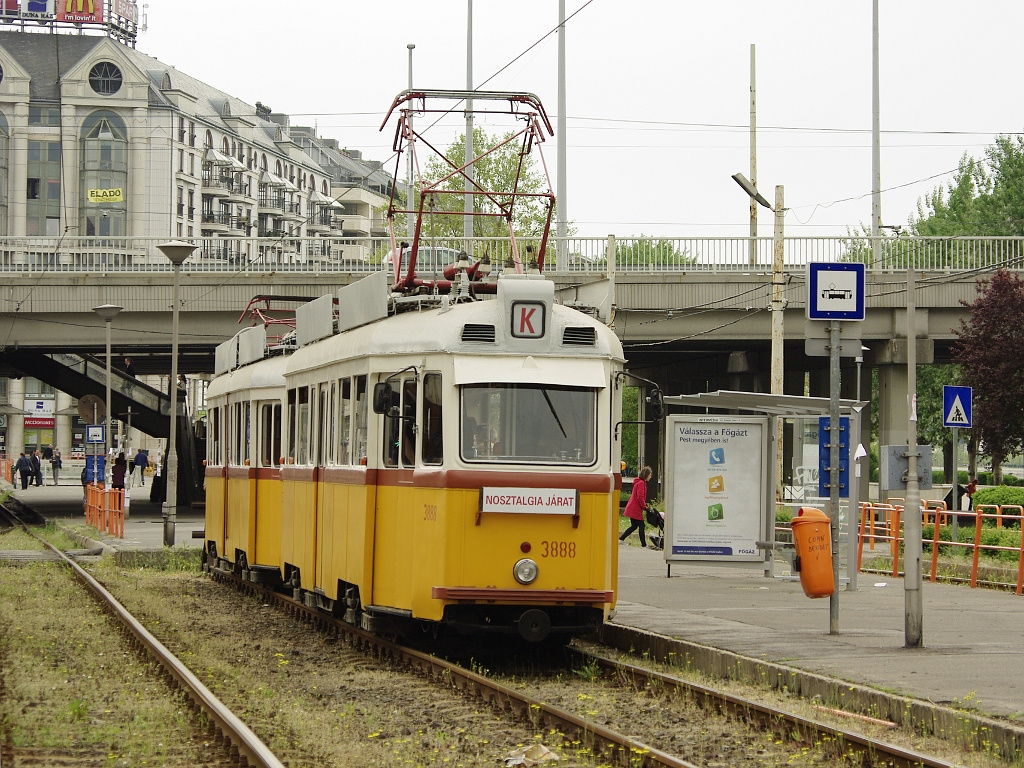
(595, 255)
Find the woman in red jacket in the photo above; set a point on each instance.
(635, 507)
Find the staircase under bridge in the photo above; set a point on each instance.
(79, 375)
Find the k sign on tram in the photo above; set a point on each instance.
(528, 319)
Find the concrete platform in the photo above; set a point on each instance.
(143, 525)
(973, 638)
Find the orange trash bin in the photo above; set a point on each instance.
(813, 540)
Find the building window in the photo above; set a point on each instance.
(43, 188)
(103, 182)
(105, 78)
(43, 115)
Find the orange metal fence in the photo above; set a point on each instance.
(104, 509)
(882, 523)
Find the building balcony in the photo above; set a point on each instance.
(271, 203)
(237, 189)
(217, 222)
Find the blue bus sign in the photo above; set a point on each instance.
(835, 290)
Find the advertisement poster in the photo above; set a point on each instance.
(716, 473)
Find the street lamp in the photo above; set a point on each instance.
(176, 251)
(107, 312)
(778, 303)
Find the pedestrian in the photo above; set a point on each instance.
(55, 465)
(37, 468)
(128, 367)
(24, 467)
(970, 490)
(635, 507)
(117, 473)
(141, 461)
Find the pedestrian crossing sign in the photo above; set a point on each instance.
(956, 407)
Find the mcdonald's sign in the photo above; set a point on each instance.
(80, 11)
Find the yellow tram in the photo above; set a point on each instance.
(445, 462)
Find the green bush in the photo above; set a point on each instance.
(1001, 494)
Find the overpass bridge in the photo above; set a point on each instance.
(694, 314)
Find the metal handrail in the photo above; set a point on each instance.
(571, 255)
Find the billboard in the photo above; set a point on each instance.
(716, 471)
(80, 11)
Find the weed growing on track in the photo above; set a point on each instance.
(71, 685)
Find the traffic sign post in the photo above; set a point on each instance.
(957, 407)
(957, 411)
(835, 292)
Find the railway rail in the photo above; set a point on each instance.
(244, 744)
(611, 744)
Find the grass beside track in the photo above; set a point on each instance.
(72, 687)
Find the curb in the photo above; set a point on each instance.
(972, 731)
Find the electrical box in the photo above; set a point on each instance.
(893, 464)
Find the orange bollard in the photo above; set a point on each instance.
(813, 541)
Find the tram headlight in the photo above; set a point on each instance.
(525, 571)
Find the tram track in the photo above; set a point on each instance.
(610, 743)
(240, 745)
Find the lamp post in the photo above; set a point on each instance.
(778, 305)
(176, 251)
(107, 312)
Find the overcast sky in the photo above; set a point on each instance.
(657, 92)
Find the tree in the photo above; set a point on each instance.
(495, 172)
(986, 350)
(986, 197)
(643, 252)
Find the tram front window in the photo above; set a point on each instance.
(528, 423)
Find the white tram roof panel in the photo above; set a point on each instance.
(482, 328)
(265, 374)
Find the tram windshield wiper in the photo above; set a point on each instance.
(551, 406)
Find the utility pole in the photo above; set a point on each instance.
(913, 625)
(467, 201)
(753, 159)
(876, 150)
(561, 210)
(410, 188)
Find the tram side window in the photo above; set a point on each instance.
(332, 425)
(359, 416)
(322, 416)
(239, 442)
(214, 456)
(392, 431)
(302, 434)
(270, 434)
(433, 452)
(293, 419)
(409, 423)
(345, 421)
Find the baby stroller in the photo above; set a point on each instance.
(656, 520)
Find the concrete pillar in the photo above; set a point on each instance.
(892, 414)
(16, 424)
(72, 194)
(62, 424)
(17, 209)
(140, 197)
